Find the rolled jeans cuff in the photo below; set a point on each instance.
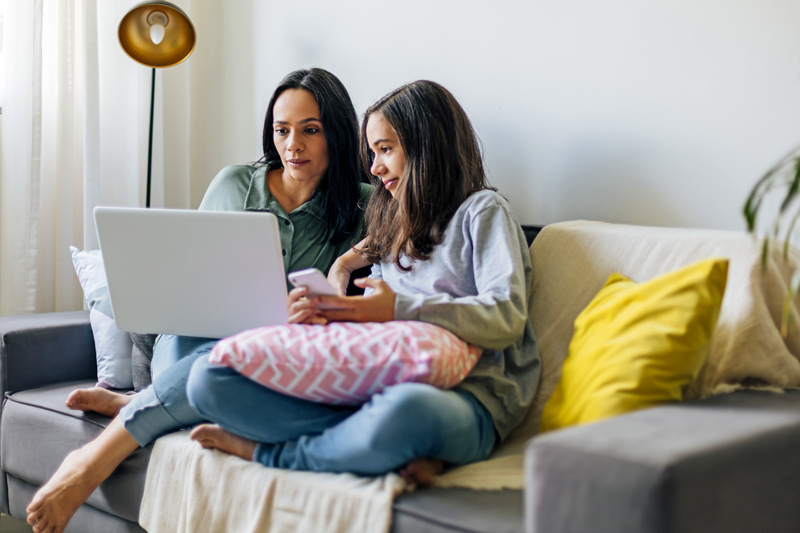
(146, 419)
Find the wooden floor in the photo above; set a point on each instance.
(9, 524)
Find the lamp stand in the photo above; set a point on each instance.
(150, 140)
(157, 34)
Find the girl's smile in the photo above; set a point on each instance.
(388, 157)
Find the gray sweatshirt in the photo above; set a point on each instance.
(476, 284)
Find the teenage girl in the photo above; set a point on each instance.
(447, 250)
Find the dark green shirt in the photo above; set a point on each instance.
(304, 236)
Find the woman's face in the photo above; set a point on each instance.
(389, 159)
(298, 136)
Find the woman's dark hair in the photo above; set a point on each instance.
(339, 189)
(444, 166)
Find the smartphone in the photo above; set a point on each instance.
(317, 284)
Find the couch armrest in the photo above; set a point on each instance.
(46, 348)
(42, 349)
(725, 464)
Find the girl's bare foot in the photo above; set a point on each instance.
(214, 437)
(56, 502)
(99, 400)
(421, 472)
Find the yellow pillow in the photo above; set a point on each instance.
(638, 345)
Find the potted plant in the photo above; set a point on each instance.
(783, 175)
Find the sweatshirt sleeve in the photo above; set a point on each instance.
(375, 273)
(494, 317)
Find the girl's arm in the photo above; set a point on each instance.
(492, 313)
(497, 315)
(376, 306)
(341, 269)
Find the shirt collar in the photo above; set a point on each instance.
(259, 197)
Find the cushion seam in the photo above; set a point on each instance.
(37, 406)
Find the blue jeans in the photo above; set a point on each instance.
(162, 407)
(404, 422)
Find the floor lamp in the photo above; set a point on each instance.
(158, 35)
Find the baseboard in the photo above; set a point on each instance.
(9, 524)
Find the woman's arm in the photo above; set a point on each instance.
(341, 269)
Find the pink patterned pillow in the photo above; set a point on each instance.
(347, 362)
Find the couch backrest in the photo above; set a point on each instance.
(572, 260)
(531, 232)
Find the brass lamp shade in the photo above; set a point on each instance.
(176, 45)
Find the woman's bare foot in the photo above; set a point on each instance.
(214, 437)
(421, 472)
(56, 502)
(99, 400)
(80, 473)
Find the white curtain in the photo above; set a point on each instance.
(74, 135)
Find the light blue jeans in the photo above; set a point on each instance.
(162, 407)
(405, 422)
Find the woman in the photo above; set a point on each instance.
(447, 250)
(310, 179)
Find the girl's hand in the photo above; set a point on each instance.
(302, 310)
(377, 307)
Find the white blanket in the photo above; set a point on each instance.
(190, 489)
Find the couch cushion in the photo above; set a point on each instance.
(458, 510)
(37, 431)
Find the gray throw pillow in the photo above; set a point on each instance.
(141, 355)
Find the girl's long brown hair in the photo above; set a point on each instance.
(444, 166)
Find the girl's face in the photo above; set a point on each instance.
(389, 159)
(298, 136)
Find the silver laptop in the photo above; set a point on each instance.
(197, 273)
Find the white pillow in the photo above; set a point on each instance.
(113, 346)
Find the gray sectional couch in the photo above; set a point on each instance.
(727, 464)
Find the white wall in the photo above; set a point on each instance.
(657, 113)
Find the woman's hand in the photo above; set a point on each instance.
(377, 307)
(339, 277)
(341, 269)
(302, 310)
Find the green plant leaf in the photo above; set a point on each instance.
(789, 232)
(786, 172)
(794, 186)
(754, 200)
